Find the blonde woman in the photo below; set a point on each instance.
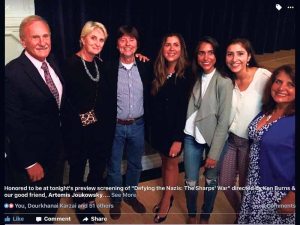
(88, 136)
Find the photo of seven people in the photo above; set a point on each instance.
(218, 113)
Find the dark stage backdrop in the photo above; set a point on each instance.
(268, 29)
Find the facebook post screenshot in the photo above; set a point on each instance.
(148, 112)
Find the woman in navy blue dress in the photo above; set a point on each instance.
(269, 195)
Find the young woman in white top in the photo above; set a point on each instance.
(249, 84)
(206, 127)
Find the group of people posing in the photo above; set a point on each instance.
(233, 118)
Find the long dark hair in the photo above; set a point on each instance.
(268, 102)
(196, 69)
(160, 65)
(246, 44)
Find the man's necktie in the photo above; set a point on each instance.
(50, 82)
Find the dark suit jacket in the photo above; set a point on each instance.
(32, 118)
(146, 73)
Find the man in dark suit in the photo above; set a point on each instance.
(131, 82)
(34, 105)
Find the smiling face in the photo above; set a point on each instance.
(93, 42)
(283, 89)
(36, 39)
(237, 58)
(172, 49)
(206, 57)
(127, 46)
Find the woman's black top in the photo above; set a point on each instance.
(168, 113)
(85, 94)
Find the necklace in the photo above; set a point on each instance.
(169, 75)
(269, 117)
(277, 117)
(96, 79)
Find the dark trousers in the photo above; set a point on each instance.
(94, 150)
